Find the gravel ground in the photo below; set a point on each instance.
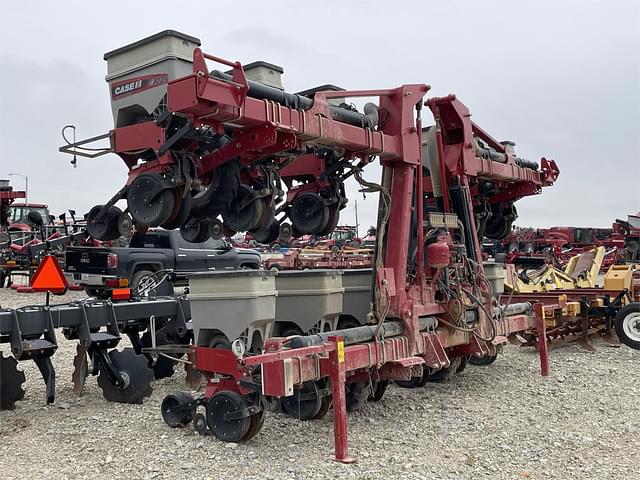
(504, 422)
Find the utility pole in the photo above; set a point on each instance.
(357, 224)
(26, 185)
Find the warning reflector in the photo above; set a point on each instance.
(49, 277)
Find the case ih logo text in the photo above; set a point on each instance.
(136, 85)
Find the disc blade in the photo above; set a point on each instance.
(80, 369)
(11, 380)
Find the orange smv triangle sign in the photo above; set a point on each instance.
(49, 276)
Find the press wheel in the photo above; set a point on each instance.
(195, 230)
(415, 382)
(107, 227)
(309, 214)
(379, 388)
(444, 374)
(178, 409)
(482, 361)
(245, 211)
(305, 403)
(356, 395)
(269, 234)
(150, 202)
(219, 407)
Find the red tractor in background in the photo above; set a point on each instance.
(341, 237)
(18, 217)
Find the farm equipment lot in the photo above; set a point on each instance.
(504, 421)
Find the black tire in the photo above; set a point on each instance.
(221, 404)
(164, 366)
(195, 230)
(267, 234)
(150, 202)
(178, 409)
(107, 229)
(356, 395)
(627, 325)
(482, 361)
(309, 214)
(245, 211)
(220, 341)
(180, 214)
(445, 374)
(379, 388)
(305, 403)
(161, 290)
(415, 382)
(462, 366)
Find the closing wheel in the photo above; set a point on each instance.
(356, 395)
(482, 361)
(334, 219)
(11, 380)
(309, 214)
(325, 405)
(627, 325)
(445, 374)
(256, 421)
(180, 213)
(216, 229)
(462, 366)
(269, 234)
(107, 227)
(195, 230)
(178, 409)
(136, 374)
(245, 211)
(305, 403)
(499, 224)
(224, 416)
(415, 382)
(379, 388)
(149, 200)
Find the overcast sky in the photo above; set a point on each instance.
(560, 78)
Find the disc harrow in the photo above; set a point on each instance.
(124, 376)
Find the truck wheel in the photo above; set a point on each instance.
(145, 283)
(100, 293)
(627, 324)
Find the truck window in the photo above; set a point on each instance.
(150, 240)
(210, 244)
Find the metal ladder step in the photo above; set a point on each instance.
(37, 348)
(104, 340)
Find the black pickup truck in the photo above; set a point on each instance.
(101, 269)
